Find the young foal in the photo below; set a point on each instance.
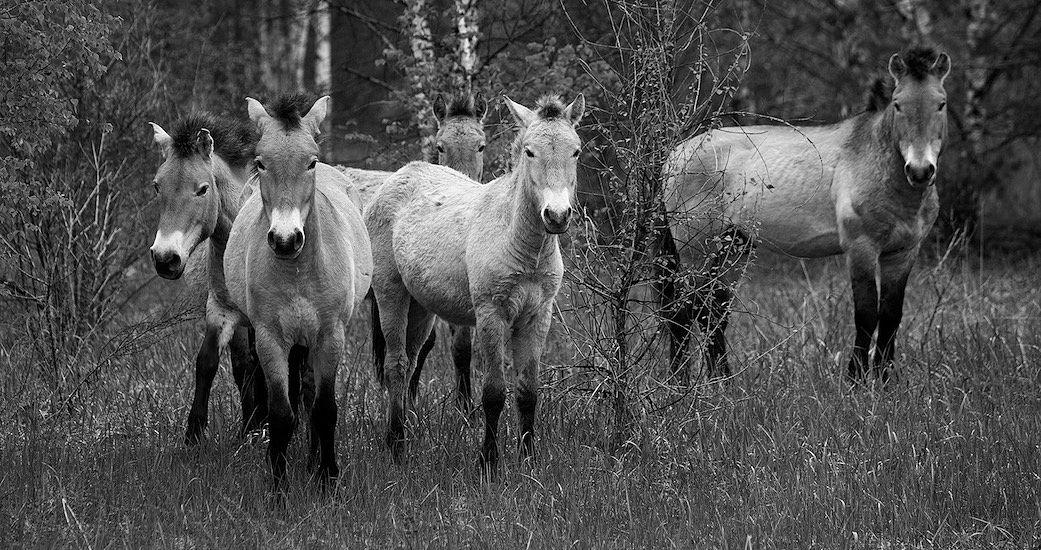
(298, 265)
(484, 256)
(862, 187)
(199, 186)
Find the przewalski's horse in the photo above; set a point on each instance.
(298, 265)
(484, 256)
(863, 187)
(460, 143)
(199, 184)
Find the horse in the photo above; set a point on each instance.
(460, 143)
(480, 256)
(863, 187)
(199, 184)
(298, 264)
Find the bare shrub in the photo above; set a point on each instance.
(676, 72)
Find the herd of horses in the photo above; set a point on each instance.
(294, 246)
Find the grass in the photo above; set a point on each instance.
(786, 455)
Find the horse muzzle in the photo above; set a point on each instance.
(286, 247)
(168, 264)
(556, 222)
(920, 176)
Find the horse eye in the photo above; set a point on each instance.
(260, 165)
(529, 153)
(155, 185)
(440, 148)
(942, 105)
(575, 154)
(481, 148)
(312, 165)
(896, 106)
(202, 190)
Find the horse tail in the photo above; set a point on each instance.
(379, 345)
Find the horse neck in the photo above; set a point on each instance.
(229, 182)
(528, 241)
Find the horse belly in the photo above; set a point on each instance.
(430, 251)
(787, 211)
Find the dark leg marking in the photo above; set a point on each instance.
(206, 363)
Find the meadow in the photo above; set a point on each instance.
(785, 455)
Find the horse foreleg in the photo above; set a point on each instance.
(273, 355)
(526, 343)
(863, 269)
(490, 358)
(298, 369)
(206, 363)
(324, 412)
(249, 379)
(894, 272)
(462, 349)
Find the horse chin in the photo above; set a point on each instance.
(290, 256)
(556, 230)
(921, 185)
(169, 275)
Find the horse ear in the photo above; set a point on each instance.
(480, 107)
(897, 67)
(575, 111)
(162, 139)
(204, 142)
(942, 66)
(257, 112)
(440, 109)
(523, 115)
(314, 117)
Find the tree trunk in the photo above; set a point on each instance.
(466, 24)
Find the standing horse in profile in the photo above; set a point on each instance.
(863, 187)
(483, 256)
(460, 143)
(205, 166)
(298, 265)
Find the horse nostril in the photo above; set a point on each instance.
(298, 239)
(271, 238)
(930, 171)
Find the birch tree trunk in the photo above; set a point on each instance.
(467, 27)
(320, 22)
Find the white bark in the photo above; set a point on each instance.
(320, 22)
(283, 43)
(467, 26)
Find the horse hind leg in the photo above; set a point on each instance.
(462, 350)
(394, 299)
(206, 363)
(713, 318)
(424, 351)
(417, 337)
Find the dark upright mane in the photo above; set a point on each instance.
(234, 141)
(288, 108)
(461, 105)
(549, 107)
(878, 96)
(919, 61)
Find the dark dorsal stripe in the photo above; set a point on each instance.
(878, 96)
(234, 141)
(289, 108)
